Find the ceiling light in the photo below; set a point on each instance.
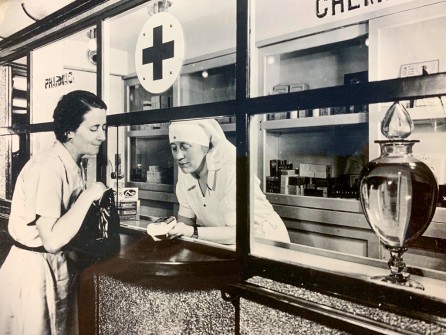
(38, 9)
(366, 42)
(158, 6)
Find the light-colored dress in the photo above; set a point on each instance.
(217, 207)
(34, 285)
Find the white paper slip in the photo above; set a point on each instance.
(160, 228)
(135, 225)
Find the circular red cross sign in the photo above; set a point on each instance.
(159, 52)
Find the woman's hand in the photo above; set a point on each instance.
(56, 233)
(182, 229)
(95, 190)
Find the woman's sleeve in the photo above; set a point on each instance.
(185, 209)
(48, 190)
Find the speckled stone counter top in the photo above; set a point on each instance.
(172, 270)
(142, 309)
(174, 288)
(395, 320)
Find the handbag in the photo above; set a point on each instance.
(99, 233)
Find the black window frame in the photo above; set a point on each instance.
(243, 108)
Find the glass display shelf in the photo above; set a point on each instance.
(292, 125)
(339, 204)
(152, 186)
(164, 132)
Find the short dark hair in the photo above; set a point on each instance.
(70, 110)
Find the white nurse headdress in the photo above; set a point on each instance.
(205, 132)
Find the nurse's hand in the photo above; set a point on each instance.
(182, 229)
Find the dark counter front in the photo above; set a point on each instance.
(149, 287)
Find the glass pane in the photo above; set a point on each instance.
(309, 161)
(61, 67)
(206, 74)
(6, 175)
(211, 84)
(116, 159)
(141, 161)
(297, 55)
(4, 171)
(140, 170)
(422, 58)
(14, 111)
(315, 67)
(207, 67)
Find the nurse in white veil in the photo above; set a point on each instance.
(206, 187)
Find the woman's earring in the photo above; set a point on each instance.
(70, 139)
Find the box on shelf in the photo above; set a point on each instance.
(285, 176)
(304, 113)
(273, 184)
(346, 186)
(293, 114)
(287, 171)
(126, 194)
(274, 167)
(297, 87)
(158, 175)
(129, 210)
(146, 105)
(277, 165)
(339, 110)
(315, 170)
(311, 192)
(280, 88)
(127, 203)
(296, 185)
(325, 111)
(138, 173)
(281, 116)
(325, 185)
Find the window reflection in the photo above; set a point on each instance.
(14, 111)
(208, 71)
(142, 160)
(61, 67)
(309, 160)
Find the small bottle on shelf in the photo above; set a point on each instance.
(139, 173)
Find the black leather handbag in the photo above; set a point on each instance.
(99, 233)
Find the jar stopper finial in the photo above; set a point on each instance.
(397, 123)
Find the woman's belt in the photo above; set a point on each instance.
(25, 247)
